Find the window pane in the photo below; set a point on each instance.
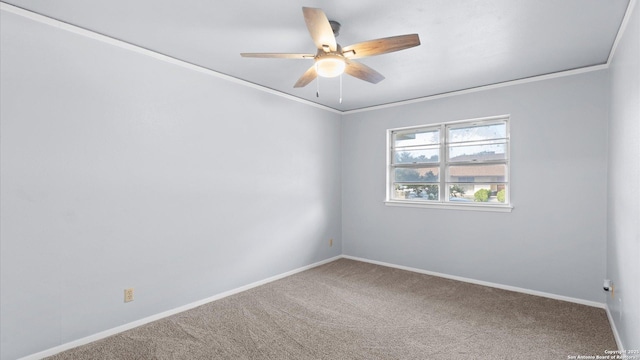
(416, 137)
(416, 156)
(472, 155)
(478, 152)
(478, 132)
(426, 192)
(477, 173)
(417, 174)
(478, 193)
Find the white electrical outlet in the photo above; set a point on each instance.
(128, 295)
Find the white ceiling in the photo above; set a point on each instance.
(465, 43)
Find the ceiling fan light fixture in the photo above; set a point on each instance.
(330, 65)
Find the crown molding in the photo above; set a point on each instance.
(153, 54)
(172, 60)
(621, 30)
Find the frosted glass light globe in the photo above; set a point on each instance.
(330, 65)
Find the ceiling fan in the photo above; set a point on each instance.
(331, 59)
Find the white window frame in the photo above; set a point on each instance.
(443, 201)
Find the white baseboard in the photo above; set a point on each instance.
(134, 324)
(616, 335)
(483, 283)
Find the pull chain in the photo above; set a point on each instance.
(340, 88)
(317, 82)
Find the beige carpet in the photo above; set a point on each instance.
(353, 310)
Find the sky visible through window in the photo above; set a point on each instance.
(480, 141)
(484, 142)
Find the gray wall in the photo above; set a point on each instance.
(623, 251)
(120, 170)
(554, 241)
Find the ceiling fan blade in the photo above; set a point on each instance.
(381, 46)
(363, 72)
(278, 55)
(307, 77)
(319, 28)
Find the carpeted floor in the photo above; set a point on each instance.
(353, 310)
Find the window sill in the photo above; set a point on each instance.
(450, 206)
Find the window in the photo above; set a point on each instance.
(462, 164)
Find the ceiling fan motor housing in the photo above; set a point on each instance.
(335, 27)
